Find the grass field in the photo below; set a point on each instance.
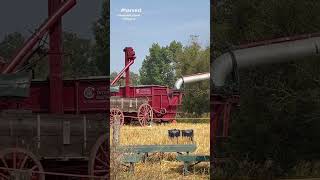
(167, 167)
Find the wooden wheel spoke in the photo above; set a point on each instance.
(4, 176)
(14, 160)
(34, 167)
(97, 162)
(4, 162)
(23, 162)
(101, 161)
(99, 167)
(100, 171)
(17, 158)
(145, 114)
(103, 151)
(116, 114)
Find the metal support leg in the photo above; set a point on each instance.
(131, 167)
(185, 168)
(144, 158)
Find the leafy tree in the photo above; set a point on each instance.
(10, 44)
(113, 75)
(134, 79)
(193, 59)
(78, 59)
(101, 30)
(158, 67)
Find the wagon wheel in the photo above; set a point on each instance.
(99, 158)
(145, 114)
(116, 114)
(16, 158)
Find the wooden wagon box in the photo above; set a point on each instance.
(29, 138)
(127, 104)
(52, 136)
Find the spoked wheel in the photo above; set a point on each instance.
(99, 158)
(145, 114)
(19, 159)
(116, 115)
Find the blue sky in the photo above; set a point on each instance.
(161, 21)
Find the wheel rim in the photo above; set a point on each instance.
(20, 159)
(145, 114)
(116, 113)
(99, 158)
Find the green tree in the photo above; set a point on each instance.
(78, 59)
(194, 59)
(158, 67)
(134, 79)
(101, 31)
(10, 44)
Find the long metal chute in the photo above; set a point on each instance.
(260, 55)
(116, 79)
(191, 79)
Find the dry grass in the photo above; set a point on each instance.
(166, 168)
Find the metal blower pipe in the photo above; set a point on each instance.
(262, 55)
(191, 79)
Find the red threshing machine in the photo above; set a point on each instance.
(51, 121)
(146, 103)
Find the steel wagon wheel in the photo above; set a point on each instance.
(116, 114)
(20, 159)
(145, 114)
(99, 158)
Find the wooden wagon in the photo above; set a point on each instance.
(28, 141)
(32, 138)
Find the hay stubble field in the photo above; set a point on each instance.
(164, 167)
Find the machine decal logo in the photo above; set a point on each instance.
(88, 92)
(143, 91)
